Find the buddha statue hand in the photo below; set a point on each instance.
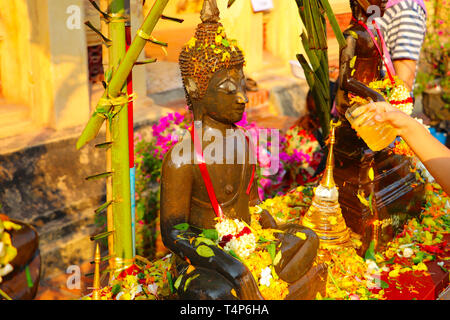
(267, 221)
(299, 247)
(248, 288)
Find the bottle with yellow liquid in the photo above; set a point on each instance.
(376, 135)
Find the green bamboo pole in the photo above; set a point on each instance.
(120, 75)
(121, 205)
(104, 6)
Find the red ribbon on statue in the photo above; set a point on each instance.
(205, 174)
(386, 56)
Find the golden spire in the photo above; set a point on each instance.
(97, 259)
(327, 179)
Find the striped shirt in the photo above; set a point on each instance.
(404, 26)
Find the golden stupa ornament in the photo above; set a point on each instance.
(325, 216)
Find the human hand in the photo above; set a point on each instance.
(400, 121)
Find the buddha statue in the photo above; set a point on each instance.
(212, 73)
(377, 190)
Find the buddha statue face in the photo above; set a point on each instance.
(225, 97)
(211, 68)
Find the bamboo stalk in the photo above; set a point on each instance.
(104, 6)
(121, 206)
(333, 22)
(120, 75)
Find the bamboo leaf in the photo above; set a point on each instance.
(230, 3)
(103, 207)
(95, 5)
(138, 63)
(102, 259)
(101, 272)
(99, 176)
(160, 43)
(102, 235)
(333, 22)
(106, 41)
(105, 145)
(163, 17)
(120, 76)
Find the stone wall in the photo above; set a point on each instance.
(44, 184)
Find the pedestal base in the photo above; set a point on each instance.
(392, 194)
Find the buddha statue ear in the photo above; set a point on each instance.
(192, 88)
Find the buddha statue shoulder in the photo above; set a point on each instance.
(199, 186)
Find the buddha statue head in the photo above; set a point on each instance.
(212, 71)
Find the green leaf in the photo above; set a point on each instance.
(277, 258)
(147, 61)
(178, 282)
(271, 249)
(390, 261)
(370, 253)
(206, 241)
(210, 234)
(205, 251)
(170, 280)
(99, 176)
(115, 289)
(182, 226)
(103, 207)
(188, 281)
(383, 284)
(234, 255)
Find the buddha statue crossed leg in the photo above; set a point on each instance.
(212, 71)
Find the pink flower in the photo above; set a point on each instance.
(354, 297)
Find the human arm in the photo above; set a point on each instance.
(433, 154)
(406, 71)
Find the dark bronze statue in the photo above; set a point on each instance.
(212, 72)
(360, 62)
(395, 192)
